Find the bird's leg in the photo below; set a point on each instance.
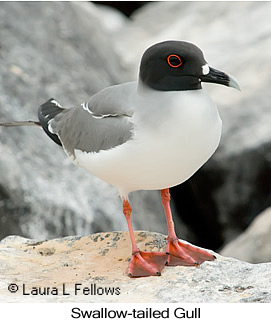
(142, 263)
(180, 254)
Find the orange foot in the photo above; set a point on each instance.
(182, 254)
(145, 264)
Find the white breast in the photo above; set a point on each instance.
(175, 134)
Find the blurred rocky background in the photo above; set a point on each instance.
(72, 50)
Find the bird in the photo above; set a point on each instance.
(150, 134)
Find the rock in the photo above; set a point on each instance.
(253, 245)
(221, 199)
(99, 262)
(42, 195)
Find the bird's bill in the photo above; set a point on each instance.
(215, 76)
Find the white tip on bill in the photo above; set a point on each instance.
(233, 83)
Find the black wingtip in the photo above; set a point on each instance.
(47, 111)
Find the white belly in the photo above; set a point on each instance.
(171, 142)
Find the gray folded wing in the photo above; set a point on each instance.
(101, 123)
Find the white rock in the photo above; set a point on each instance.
(100, 261)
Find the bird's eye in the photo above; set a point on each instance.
(174, 61)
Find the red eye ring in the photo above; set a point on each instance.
(170, 63)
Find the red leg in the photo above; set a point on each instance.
(142, 263)
(180, 254)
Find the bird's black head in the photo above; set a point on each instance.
(178, 65)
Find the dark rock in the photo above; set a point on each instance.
(126, 7)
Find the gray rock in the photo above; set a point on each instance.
(100, 261)
(253, 245)
(60, 50)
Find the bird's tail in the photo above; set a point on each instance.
(46, 113)
(20, 123)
